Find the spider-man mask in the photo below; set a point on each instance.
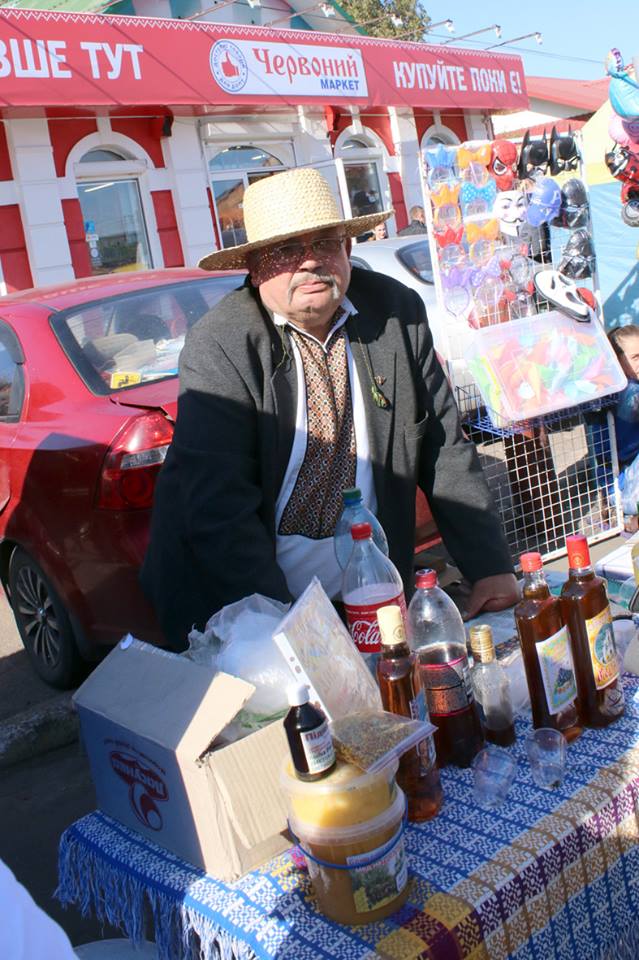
(503, 163)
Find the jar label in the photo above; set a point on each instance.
(362, 622)
(557, 671)
(447, 686)
(318, 748)
(603, 652)
(378, 877)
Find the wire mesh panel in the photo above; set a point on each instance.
(550, 477)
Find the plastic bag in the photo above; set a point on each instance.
(238, 639)
(371, 739)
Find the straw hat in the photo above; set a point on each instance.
(287, 205)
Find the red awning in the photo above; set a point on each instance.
(83, 60)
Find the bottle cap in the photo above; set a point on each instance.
(578, 552)
(530, 562)
(351, 494)
(391, 625)
(425, 579)
(297, 694)
(361, 531)
(482, 643)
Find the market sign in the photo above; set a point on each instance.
(61, 59)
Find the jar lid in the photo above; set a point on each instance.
(482, 643)
(530, 562)
(425, 579)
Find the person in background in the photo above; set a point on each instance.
(312, 377)
(26, 931)
(379, 232)
(625, 343)
(417, 222)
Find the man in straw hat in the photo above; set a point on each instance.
(310, 378)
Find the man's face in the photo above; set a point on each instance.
(303, 279)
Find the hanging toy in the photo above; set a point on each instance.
(544, 202)
(624, 166)
(440, 161)
(623, 89)
(563, 292)
(503, 163)
(574, 205)
(533, 158)
(510, 209)
(578, 255)
(564, 154)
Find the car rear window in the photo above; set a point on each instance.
(133, 338)
(416, 258)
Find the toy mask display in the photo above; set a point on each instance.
(510, 210)
(503, 163)
(544, 202)
(564, 154)
(533, 159)
(578, 256)
(574, 204)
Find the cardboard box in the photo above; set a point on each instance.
(148, 718)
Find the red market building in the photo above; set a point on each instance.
(127, 142)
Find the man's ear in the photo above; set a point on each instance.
(252, 281)
(348, 245)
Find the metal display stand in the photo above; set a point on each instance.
(552, 475)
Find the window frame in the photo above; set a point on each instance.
(9, 340)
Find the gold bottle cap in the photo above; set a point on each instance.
(482, 643)
(391, 626)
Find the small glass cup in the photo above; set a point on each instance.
(546, 749)
(494, 771)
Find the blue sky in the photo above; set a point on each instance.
(578, 33)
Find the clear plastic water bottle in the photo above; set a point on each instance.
(355, 512)
(436, 634)
(370, 581)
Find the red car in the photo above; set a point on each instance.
(88, 393)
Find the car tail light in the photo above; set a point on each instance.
(133, 462)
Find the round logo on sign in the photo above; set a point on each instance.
(228, 66)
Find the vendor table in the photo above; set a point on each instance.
(547, 876)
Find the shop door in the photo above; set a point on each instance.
(114, 225)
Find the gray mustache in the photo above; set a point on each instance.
(311, 277)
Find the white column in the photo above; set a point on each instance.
(478, 126)
(312, 143)
(404, 133)
(39, 198)
(187, 170)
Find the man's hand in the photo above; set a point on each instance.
(492, 593)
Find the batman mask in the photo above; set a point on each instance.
(533, 158)
(564, 154)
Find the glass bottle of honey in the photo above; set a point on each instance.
(418, 775)
(491, 688)
(546, 652)
(586, 612)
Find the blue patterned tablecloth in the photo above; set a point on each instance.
(547, 876)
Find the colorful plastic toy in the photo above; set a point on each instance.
(564, 154)
(503, 163)
(623, 89)
(544, 202)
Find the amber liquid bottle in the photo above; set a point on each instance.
(418, 775)
(587, 612)
(546, 652)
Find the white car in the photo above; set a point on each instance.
(406, 259)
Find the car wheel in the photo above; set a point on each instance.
(43, 623)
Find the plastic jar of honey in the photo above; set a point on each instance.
(350, 828)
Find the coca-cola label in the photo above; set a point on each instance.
(362, 622)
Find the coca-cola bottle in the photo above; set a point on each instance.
(436, 634)
(370, 581)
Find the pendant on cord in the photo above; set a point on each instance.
(378, 397)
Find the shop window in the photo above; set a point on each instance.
(114, 224)
(99, 156)
(438, 134)
(363, 172)
(231, 171)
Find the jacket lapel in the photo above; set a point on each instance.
(375, 366)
